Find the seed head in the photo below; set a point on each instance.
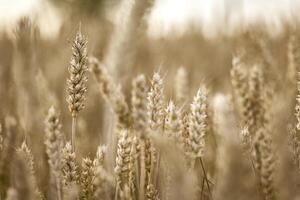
(78, 78)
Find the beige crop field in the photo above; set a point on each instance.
(102, 101)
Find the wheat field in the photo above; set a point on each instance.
(104, 111)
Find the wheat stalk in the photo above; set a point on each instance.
(1, 138)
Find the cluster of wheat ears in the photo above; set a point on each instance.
(163, 149)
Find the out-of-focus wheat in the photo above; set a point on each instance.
(86, 179)
(264, 164)
(197, 124)
(123, 160)
(12, 194)
(24, 184)
(111, 92)
(8, 152)
(54, 142)
(139, 106)
(181, 85)
(26, 154)
(173, 124)
(155, 102)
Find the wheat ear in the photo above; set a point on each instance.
(173, 123)
(70, 169)
(24, 184)
(27, 154)
(12, 194)
(77, 80)
(198, 124)
(100, 156)
(139, 106)
(111, 93)
(155, 102)
(123, 161)
(54, 142)
(86, 179)
(264, 163)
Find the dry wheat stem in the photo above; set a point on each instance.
(143, 170)
(74, 124)
(205, 177)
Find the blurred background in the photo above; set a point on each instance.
(129, 37)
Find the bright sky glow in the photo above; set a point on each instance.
(44, 15)
(173, 18)
(215, 17)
